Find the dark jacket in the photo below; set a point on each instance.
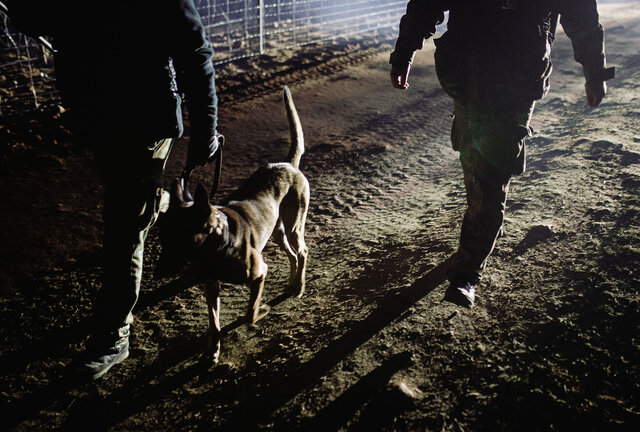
(121, 66)
(501, 45)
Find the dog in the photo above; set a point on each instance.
(224, 243)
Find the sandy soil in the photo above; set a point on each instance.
(552, 344)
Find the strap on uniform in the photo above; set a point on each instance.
(608, 73)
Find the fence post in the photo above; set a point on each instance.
(246, 20)
(32, 86)
(261, 23)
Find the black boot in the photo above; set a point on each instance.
(105, 352)
(461, 294)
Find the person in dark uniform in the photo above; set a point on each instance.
(121, 69)
(494, 61)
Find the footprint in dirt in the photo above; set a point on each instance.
(607, 151)
(536, 235)
(631, 183)
(541, 162)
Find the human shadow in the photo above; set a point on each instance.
(281, 387)
(370, 390)
(272, 390)
(57, 340)
(93, 410)
(138, 392)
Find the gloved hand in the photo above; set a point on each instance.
(596, 86)
(595, 91)
(399, 75)
(201, 153)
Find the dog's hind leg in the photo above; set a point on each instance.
(293, 214)
(280, 238)
(212, 293)
(296, 240)
(293, 218)
(259, 272)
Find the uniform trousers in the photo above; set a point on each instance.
(131, 173)
(490, 136)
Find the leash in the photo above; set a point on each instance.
(217, 171)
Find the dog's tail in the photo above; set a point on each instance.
(295, 129)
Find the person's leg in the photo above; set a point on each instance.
(482, 223)
(491, 142)
(123, 248)
(132, 195)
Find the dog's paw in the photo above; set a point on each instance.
(214, 356)
(213, 351)
(208, 360)
(296, 291)
(259, 314)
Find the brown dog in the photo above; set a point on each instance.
(225, 243)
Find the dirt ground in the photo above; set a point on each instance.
(553, 342)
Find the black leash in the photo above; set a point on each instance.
(217, 171)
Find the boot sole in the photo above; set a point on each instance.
(120, 359)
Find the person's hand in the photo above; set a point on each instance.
(200, 153)
(399, 75)
(595, 91)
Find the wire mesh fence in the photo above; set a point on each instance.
(25, 65)
(237, 29)
(244, 28)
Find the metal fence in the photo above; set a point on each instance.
(236, 28)
(25, 64)
(244, 28)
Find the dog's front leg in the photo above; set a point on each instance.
(212, 293)
(256, 311)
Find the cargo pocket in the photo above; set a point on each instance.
(451, 70)
(458, 126)
(150, 209)
(152, 183)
